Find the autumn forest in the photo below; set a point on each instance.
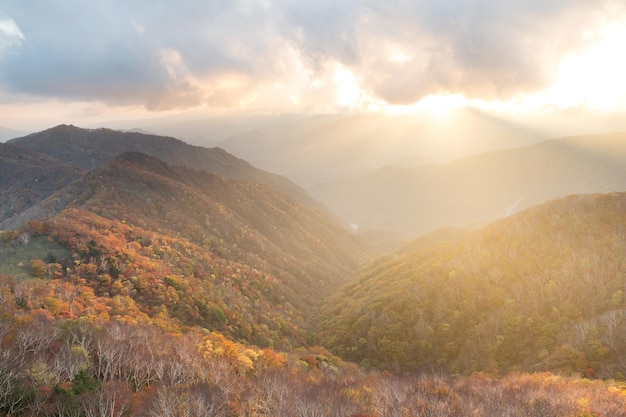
(143, 276)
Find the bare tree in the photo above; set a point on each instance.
(24, 238)
(391, 398)
(185, 365)
(270, 394)
(111, 400)
(200, 400)
(111, 349)
(36, 337)
(68, 361)
(9, 378)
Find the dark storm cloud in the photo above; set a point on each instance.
(163, 54)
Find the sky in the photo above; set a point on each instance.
(76, 61)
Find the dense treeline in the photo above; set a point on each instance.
(65, 367)
(542, 290)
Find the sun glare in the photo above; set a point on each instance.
(595, 78)
(348, 90)
(592, 78)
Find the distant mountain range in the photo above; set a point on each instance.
(317, 149)
(480, 188)
(6, 133)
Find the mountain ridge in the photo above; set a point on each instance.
(90, 148)
(314, 150)
(480, 188)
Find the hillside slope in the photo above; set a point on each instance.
(92, 148)
(155, 242)
(27, 178)
(541, 290)
(481, 188)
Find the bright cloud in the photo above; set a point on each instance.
(10, 34)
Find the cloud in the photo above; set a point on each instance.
(10, 35)
(236, 53)
(482, 49)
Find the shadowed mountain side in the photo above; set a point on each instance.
(92, 148)
(478, 189)
(28, 177)
(540, 290)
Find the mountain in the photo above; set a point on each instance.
(27, 178)
(141, 287)
(155, 242)
(6, 133)
(91, 148)
(315, 148)
(478, 189)
(324, 147)
(311, 149)
(541, 290)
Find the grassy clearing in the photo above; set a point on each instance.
(16, 257)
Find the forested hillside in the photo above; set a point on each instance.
(541, 290)
(151, 242)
